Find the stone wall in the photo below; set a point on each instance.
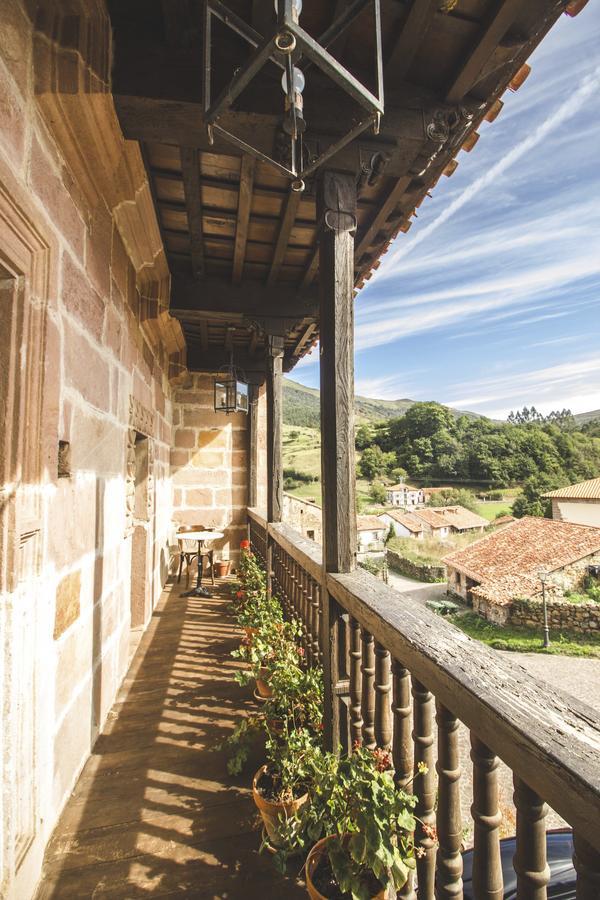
(209, 464)
(86, 350)
(305, 517)
(420, 571)
(562, 615)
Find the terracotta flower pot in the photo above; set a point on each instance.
(272, 812)
(262, 684)
(221, 568)
(312, 861)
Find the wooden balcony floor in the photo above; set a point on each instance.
(154, 812)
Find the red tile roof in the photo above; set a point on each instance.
(461, 518)
(431, 517)
(369, 523)
(506, 563)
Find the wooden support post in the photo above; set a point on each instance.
(253, 446)
(274, 456)
(336, 214)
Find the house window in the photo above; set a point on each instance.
(310, 534)
(141, 477)
(64, 459)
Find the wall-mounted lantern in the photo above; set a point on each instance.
(293, 50)
(231, 390)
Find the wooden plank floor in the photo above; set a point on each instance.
(154, 812)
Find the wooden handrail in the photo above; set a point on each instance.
(547, 737)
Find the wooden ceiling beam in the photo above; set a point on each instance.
(415, 27)
(490, 36)
(287, 223)
(190, 165)
(251, 298)
(214, 358)
(229, 332)
(243, 215)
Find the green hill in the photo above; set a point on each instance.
(301, 407)
(584, 417)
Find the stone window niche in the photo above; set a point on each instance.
(64, 459)
(140, 507)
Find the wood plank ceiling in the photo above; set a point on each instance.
(241, 245)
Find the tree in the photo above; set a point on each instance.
(374, 462)
(530, 502)
(365, 436)
(454, 497)
(377, 492)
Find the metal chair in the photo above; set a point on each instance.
(188, 551)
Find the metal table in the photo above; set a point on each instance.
(202, 537)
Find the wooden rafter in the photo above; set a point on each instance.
(190, 166)
(243, 216)
(311, 269)
(253, 345)
(378, 222)
(490, 36)
(416, 25)
(305, 338)
(287, 223)
(229, 332)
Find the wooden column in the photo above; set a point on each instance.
(274, 454)
(274, 419)
(253, 446)
(336, 214)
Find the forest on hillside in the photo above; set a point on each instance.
(431, 445)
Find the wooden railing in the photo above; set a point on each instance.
(404, 679)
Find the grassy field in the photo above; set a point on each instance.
(494, 508)
(525, 640)
(302, 451)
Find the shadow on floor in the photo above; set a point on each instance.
(154, 812)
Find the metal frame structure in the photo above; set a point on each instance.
(286, 46)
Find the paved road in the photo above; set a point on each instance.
(420, 590)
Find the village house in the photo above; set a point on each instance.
(462, 520)
(578, 503)
(172, 241)
(404, 524)
(405, 496)
(505, 566)
(371, 533)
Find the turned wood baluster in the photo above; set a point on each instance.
(306, 613)
(356, 721)
(402, 747)
(318, 602)
(529, 861)
(287, 590)
(586, 860)
(383, 688)
(424, 788)
(313, 614)
(449, 885)
(368, 689)
(487, 869)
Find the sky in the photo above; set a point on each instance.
(491, 301)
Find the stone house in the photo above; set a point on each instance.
(405, 496)
(304, 516)
(435, 524)
(578, 503)
(505, 566)
(371, 534)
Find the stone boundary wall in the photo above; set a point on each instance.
(421, 572)
(303, 516)
(562, 615)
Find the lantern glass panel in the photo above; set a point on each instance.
(242, 396)
(220, 396)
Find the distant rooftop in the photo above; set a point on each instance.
(402, 487)
(583, 490)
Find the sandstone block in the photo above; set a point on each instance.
(67, 602)
(55, 197)
(214, 440)
(85, 369)
(206, 459)
(180, 459)
(199, 497)
(185, 438)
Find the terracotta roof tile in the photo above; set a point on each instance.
(431, 517)
(461, 518)
(402, 487)
(369, 523)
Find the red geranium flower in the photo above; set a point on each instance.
(244, 545)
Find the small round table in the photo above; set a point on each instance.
(201, 537)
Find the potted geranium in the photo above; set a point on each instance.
(362, 823)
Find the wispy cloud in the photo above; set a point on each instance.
(586, 89)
